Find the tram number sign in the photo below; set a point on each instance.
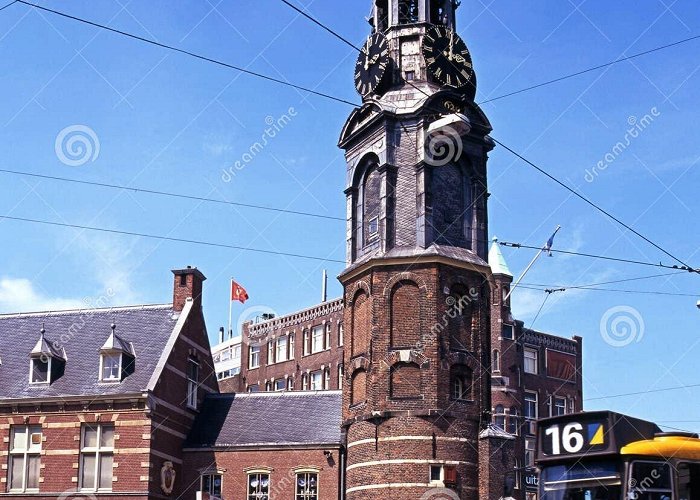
(574, 438)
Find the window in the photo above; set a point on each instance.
(499, 417)
(340, 376)
(224, 356)
(408, 11)
(268, 386)
(96, 452)
(507, 332)
(648, 477)
(531, 361)
(253, 388)
(292, 354)
(373, 227)
(572, 402)
(441, 475)
(327, 381)
(25, 458)
(41, 367)
(530, 452)
(192, 382)
(340, 335)
(271, 352)
(530, 407)
(307, 486)
(317, 339)
(290, 384)
(254, 356)
(258, 486)
(281, 354)
(688, 481)
(305, 382)
(559, 407)
(327, 340)
(306, 343)
(280, 384)
(518, 474)
(316, 381)
(111, 367)
(514, 421)
(496, 363)
(410, 76)
(211, 483)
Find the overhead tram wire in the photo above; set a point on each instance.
(603, 257)
(626, 280)
(8, 5)
(188, 53)
(614, 290)
(169, 194)
(641, 393)
(169, 238)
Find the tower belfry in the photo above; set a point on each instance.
(417, 283)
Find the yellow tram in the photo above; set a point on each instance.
(608, 456)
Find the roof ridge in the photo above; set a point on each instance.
(228, 395)
(85, 310)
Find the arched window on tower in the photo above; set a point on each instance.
(371, 204)
(358, 387)
(461, 378)
(382, 15)
(408, 11)
(452, 210)
(439, 12)
(460, 312)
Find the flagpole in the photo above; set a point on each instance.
(546, 247)
(230, 310)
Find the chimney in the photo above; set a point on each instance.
(221, 335)
(187, 285)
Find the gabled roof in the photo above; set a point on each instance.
(281, 418)
(80, 335)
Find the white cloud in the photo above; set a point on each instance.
(20, 295)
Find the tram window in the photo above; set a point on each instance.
(651, 481)
(689, 482)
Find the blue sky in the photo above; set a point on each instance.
(165, 121)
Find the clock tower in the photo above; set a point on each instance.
(417, 286)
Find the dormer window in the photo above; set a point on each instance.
(117, 358)
(111, 367)
(46, 362)
(41, 368)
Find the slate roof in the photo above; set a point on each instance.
(268, 419)
(80, 335)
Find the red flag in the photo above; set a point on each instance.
(238, 292)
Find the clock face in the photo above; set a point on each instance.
(370, 69)
(447, 57)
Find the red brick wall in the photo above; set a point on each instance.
(282, 464)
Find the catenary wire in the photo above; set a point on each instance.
(8, 5)
(626, 280)
(189, 53)
(168, 238)
(616, 290)
(602, 257)
(168, 194)
(640, 393)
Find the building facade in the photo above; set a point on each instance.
(99, 402)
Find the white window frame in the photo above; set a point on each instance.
(253, 356)
(24, 452)
(341, 374)
(529, 452)
(32, 360)
(260, 475)
(512, 331)
(281, 345)
(306, 337)
(290, 346)
(535, 401)
(271, 352)
(558, 399)
(317, 337)
(535, 358)
(327, 379)
(496, 361)
(105, 355)
(192, 383)
(212, 476)
(98, 451)
(307, 476)
(436, 482)
(284, 385)
(340, 335)
(316, 381)
(327, 338)
(305, 382)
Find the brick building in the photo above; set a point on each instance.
(100, 401)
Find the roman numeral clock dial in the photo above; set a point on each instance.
(447, 57)
(371, 67)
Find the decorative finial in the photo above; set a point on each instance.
(43, 330)
(114, 327)
(495, 239)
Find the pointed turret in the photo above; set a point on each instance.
(497, 261)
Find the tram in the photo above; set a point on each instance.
(608, 456)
